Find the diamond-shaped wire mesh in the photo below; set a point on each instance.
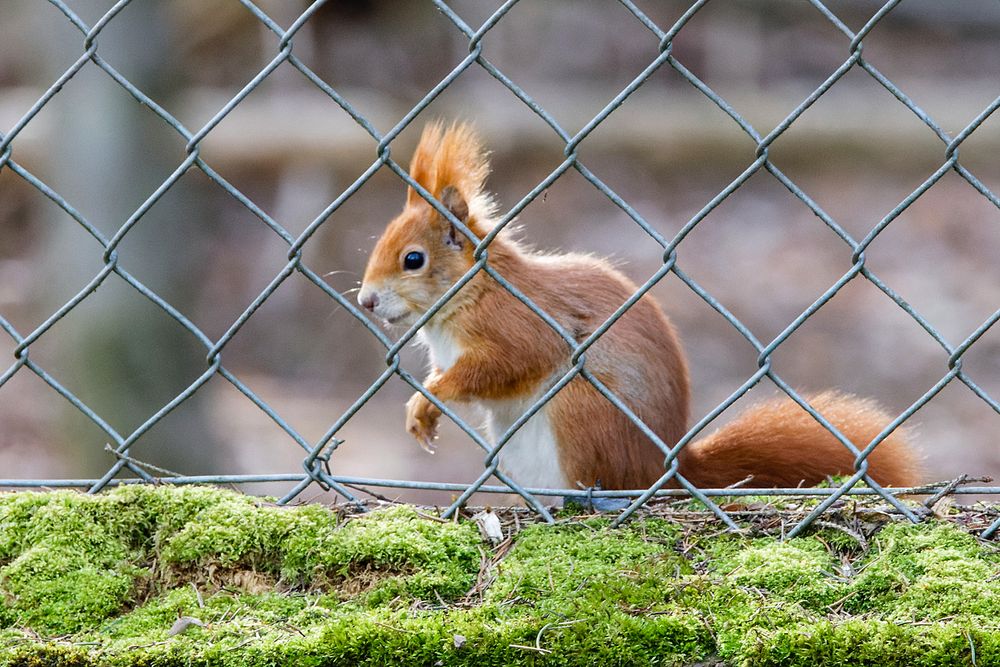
(319, 462)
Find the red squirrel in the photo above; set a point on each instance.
(487, 347)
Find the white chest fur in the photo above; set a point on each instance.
(530, 457)
(443, 347)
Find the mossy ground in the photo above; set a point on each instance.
(101, 580)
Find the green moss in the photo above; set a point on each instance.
(226, 535)
(428, 558)
(591, 564)
(16, 512)
(927, 573)
(873, 643)
(64, 570)
(799, 571)
(101, 580)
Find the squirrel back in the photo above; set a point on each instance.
(488, 347)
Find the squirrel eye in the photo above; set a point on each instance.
(413, 261)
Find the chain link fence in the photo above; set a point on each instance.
(320, 456)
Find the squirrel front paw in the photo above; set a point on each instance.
(421, 421)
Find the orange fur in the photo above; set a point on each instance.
(453, 157)
(777, 443)
(505, 355)
(422, 163)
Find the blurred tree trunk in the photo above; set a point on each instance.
(118, 352)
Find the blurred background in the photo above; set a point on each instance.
(858, 152)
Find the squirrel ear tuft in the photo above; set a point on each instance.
(460, 162)
(422, 164)
(449, 158)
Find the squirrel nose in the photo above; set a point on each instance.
(369, 300)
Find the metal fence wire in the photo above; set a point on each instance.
(319, 462)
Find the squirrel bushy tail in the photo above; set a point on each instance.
(779, 444)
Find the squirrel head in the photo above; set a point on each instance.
(421, 254)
